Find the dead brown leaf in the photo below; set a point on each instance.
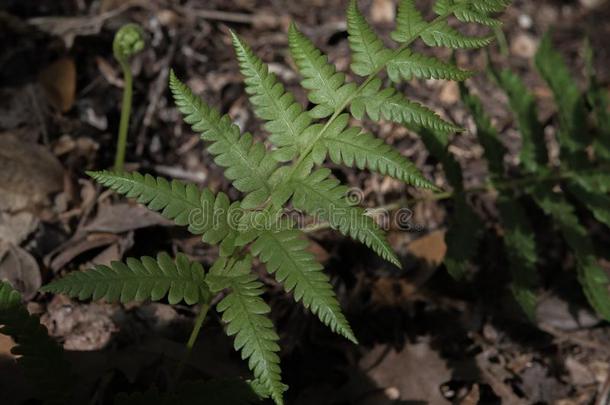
(21, 270)
(28, 173)
(59, 83)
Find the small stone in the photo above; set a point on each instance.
(450, 93)
(592, 4)
(525, 21)
(382, 11)
(524, 46)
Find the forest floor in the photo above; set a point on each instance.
(425, 338)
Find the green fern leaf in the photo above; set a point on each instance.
(462, 238)
(521, 250)
(206, 214)
(138, 280)
(441, 34)
(271, 102)
(407, 65)
(395, 107)
(466, 14)
(490, 6)
(247, 163)
(572, 112)
(598, 99)
(323, 197)
(523, 104)
(486, 133)
(369, 54)
(353, 147)
(285, 254)
(592, 277)
(595, 201)
(409, 22)
(245, 313)
(41, 358)
(327, 87)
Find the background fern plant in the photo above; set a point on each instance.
(289, 173)
(579, 183)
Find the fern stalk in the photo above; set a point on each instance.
(128, 41)
(203, 311)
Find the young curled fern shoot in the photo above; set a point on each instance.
(128, 41)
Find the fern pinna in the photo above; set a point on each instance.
(579, 183)
(289, 173)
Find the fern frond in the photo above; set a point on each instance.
(204, 213)
(285, 118)
(523, 104)
(369, 54)
(244, 311)
(138, 280)
(592, 277)
(521, 251)
(41, 357)
(323, 197)
(406, 65)
(246, 162)
(572, 113)
(355, 148)
(469, 12)
(441, 34)
(486, 133)
(285, 254)
(490, 6)
(409, 22)
(597, 202)
(327, 87)
(393, 106)
(214, 392)
(462, 238)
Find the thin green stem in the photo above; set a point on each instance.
(203, 311)
(121, 145)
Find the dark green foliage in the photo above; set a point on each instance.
(582, 176)
(41, 357)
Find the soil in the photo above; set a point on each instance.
(425, 338)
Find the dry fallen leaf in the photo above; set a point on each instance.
(59, 82)
(21, 270)
(430, 248)
(124, 217)
(28, 173)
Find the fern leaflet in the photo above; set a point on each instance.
(406, 65)
(285, 254)
(322, 196)
(395, 107)
(245, 313)
(369, 54)
(247, 163)
(522, 102)
(203, 212)
(327, 87)
(592, 277)
(285, 117)
(138, 280)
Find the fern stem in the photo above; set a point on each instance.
(121, 145)
(192, 339)
(128, 41)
